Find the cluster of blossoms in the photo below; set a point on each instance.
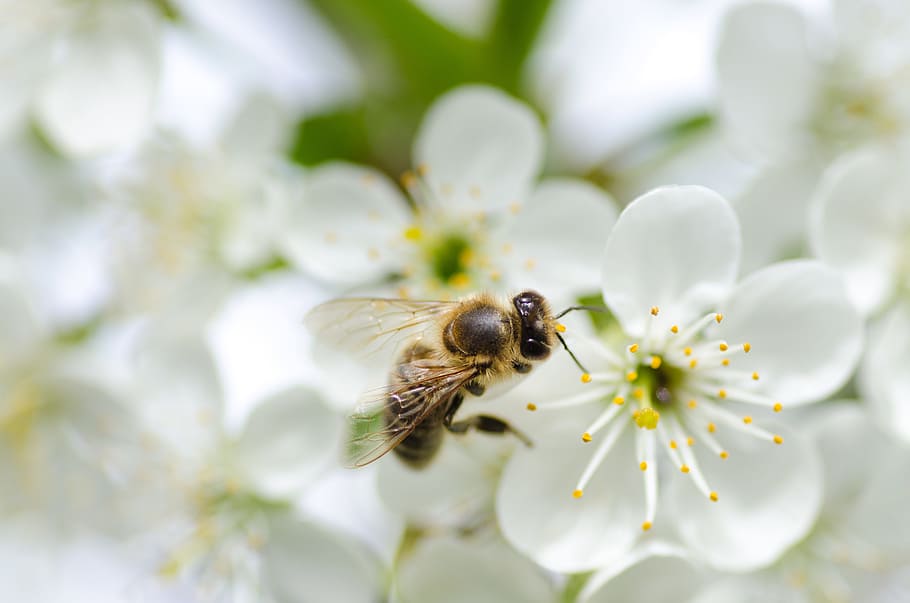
(732, 422)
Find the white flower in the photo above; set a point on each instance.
(229, 526)
(856, 541)
(860, 225)
(791, 91)
(87, 71)
(191, 219)
(693, 375)
(478, 221)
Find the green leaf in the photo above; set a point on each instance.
(341, 134)
(512, 36)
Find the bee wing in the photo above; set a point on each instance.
(365, 325)
(373, 434)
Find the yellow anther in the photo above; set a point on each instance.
(530, 263)
(724, 454)
(778, 439)
(560, 328)
(408, 179)
(638, 393)
(655, 362)
(673, 444)
(712, 427)
(643, 466)
(633, 348)
(778, 407)
(687, 351)
(718, 317)
(693, 363)
(725, 362)
(674, 329)
(586, 378)
(655, 310)
(723, 347)
(684, 468)
(459, 280)
(690, 441)
(647, 418)
(413, 233)
(747, 420)
(577, 494)
(722, 393)
(646, 526)
(631, 376)
(693, 404)
(754, 376)
(713, 497)
(586, 437)
(619, 400)
(747, 347)
(531, 406)
(422, 169)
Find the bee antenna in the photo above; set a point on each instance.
(588, 308)
(574, 359)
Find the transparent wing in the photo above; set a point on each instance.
(366, 325)
(375, 430)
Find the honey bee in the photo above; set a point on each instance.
(450, 349)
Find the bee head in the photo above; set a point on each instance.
(535, 325)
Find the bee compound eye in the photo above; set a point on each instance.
(533, 349)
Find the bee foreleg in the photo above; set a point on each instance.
(487, 424)
(475, 388)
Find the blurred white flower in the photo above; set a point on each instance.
(188, 220)
(794, 90)
(476, 218)
(86, 71)
(228, 523)
(694, 355)
(856, 541)
(860, 225)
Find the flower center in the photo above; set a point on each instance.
(449, 257)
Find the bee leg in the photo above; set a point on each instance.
(487, 424)
(474, 388)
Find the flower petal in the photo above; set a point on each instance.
(766, 78)
(100, 97)
(482, 149)
(452, 571)
(633, 578)
(883, 376)
(773, 212)
(769, 497)
(18, 322)
(557, 238)
(674, 247)
(345, 229)
(288, 439)
(539, 516)
(805, 335)
(305, 562)
(754, 588)
(857, 219)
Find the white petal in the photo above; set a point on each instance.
(806, 336)
(883, 377)
(767, 80)
(307, 563)
(345, 228)
(539, 516)
(759, 587)
(676, 248)
(100, 96)
(454, 571)
(858, 215)
(18, 323)
(773, 213)
(287, 440)
(768, 499)
(636, 578)
(482, 148)
(557, 239)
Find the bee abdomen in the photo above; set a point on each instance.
(421, 445)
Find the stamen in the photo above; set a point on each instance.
(408, 179)
(413, 233)
(644, 442)
(747, 420)
(665, 436)
(560, 328)
(694, 470)
(725, 362)
(697, 327)
(707, 438)
(655, 310)
(631, 376)
(755, 376)
(577, 493)
(619, 400)
(602, 419)
(674, 329)
(687, 351)
(778, 407)
(713, 497)
(643, 466)
(531, 406)
(598, 456)
(655, 362)
(718, 317)
(586, 378)
(778, 439)
(646, 526)
(586, 437)
(576, 400)
(646, 418)
(729, 419)
(747, 347)
(693, 363)
(723, 347)
(738, 395)
(633, 348)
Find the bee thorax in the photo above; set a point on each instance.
(483, 330)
